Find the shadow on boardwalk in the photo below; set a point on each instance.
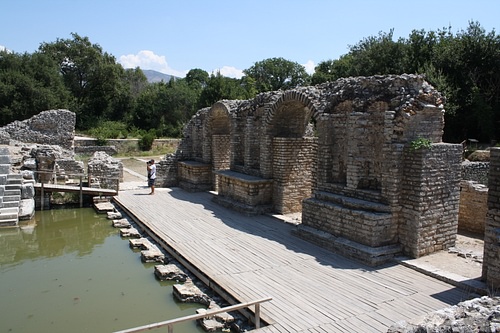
(313, 290)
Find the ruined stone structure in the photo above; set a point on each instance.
(52, 127)
(475, 171)
(491, 261)
(341, 153)
(104, 171)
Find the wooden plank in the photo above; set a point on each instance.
(313, 289)
(75, 189)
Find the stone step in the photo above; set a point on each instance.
(8, 198)
(4, 151)
(14, 181)
(11, 192)
(9, 213)
(13, 176)
(10, 204)
(4, 169)
(4, 159)
(13, 187)
(9, 223)
(352, 203)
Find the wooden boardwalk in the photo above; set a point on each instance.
(313, 290)
(75, 189)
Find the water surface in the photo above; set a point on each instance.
(72, 272)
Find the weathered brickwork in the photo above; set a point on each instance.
(105, 171)
(473, 207)
(293, 172)
(51, 127)
(195, 176)
(247, 194)
(430, 198)
(491, 259)
(476, 171)
(340, 153)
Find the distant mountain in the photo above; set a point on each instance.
(154, 76)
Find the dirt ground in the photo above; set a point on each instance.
(465, 258)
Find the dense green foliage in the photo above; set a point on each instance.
(111, 102)
(464, 66)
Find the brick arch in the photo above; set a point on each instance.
(290, 154)
(217, 140)
(291, 106)
(219, 119)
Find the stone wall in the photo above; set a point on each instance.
(430, 198)
(52, 127)
(340, 153)
(476, 171)
(491, 257)
(104, 171)
(117, 146)
(293, 165)
(473, 207)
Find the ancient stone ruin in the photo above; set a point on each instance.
(360, 158)
(104, 171)
(52, 127)
(491, 263)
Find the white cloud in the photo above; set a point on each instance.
(3, 48)
(148, 60)
(309, 66)
(229, 71)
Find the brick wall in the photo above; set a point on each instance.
(430, 190)
(293, 165)
(473, 207)
(491, 261)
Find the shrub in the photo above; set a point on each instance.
(146, 141)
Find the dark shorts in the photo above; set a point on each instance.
(151, 182)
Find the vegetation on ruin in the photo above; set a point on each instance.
(113, 102)
(420, 143)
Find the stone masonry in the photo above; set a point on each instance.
(340, 153)
(473, 207)
(491, 257)
(52, 127)
(104, 171)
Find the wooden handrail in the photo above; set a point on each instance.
(170, 323)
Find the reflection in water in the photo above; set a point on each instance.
(70, 271)
(68, 231)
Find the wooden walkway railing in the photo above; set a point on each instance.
(170, 323)
(77, 188)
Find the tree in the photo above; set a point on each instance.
(29, 84)
(165, 107)
(220, 87)
(93, 77)
(470, 61)
(197, 78)
(332, 70)
(277, 73)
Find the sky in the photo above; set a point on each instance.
(229, 36)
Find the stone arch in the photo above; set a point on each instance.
(291, 149)
(293, 106)
(217, 144)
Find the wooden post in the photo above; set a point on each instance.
(81, 191)
(41, 197)
(257, 315)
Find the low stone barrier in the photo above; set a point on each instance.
(117, 146)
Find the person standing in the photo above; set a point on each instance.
(151, 175)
